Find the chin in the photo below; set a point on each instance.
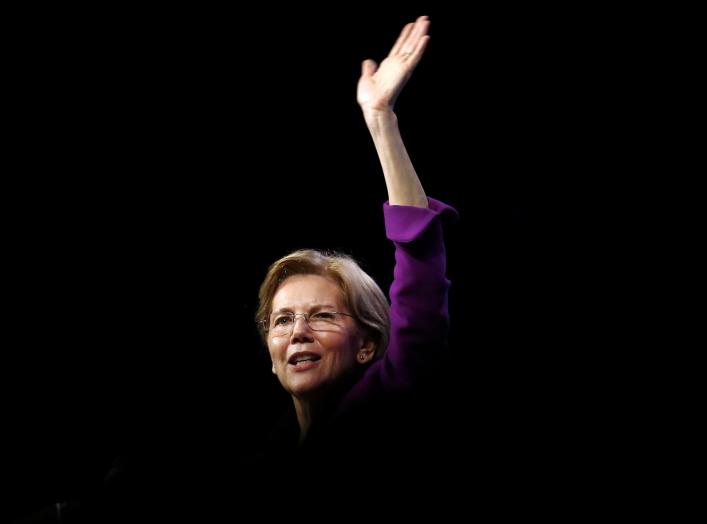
(304, 389)
(307, 390)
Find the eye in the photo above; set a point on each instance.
(282, 320)
(324, 315)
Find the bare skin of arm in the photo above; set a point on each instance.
(378, 88)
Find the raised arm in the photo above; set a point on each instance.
(378, 88)
(419, 292)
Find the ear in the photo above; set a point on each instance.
(366, 352)
(273, 370)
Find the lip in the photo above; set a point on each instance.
(303, 366)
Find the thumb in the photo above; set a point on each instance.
(368, 67)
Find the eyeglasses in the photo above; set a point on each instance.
(283, 324)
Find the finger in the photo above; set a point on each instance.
(419, 51)
(368, 67)
(401, 39)
(419, 30)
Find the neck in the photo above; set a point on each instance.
(315, 406)
(311, 409)
(306, 412)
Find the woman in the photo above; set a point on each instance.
(336, 346)
(344, 355)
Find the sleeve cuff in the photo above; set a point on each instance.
(406, 223)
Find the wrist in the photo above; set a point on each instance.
(379, 118)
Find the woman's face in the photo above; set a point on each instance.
(306, 361)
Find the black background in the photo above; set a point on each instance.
(168, 157)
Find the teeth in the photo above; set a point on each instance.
(303, 359)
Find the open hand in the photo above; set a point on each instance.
(379, 86)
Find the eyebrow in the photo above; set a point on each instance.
(314, 306)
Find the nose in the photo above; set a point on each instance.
(300, 330)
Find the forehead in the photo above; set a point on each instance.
(307, 290)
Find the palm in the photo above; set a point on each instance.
(379, 86)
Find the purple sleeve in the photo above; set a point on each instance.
(418, 295)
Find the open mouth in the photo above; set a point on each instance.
(302, 360)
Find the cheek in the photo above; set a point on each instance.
(347, 347)
(275, 350)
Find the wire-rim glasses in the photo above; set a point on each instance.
(282, 324)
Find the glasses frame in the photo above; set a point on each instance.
(265, 323)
